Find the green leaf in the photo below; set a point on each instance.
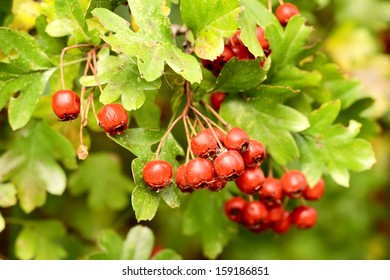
(110, 244)
(2, 223)
(40, 240)
(204, 216)
(332, 147)
(30, 164)
(22, 53)
(238, 76)
(210, 21)
(295, 78)
(52, 45)
(153, 45)
(7, 195)
(167, 254)
(107, 4)
(110, 191)
(123, 79)
(149, 115)
(22, 107)
(269, 122)
(138, 244)
(71, 22)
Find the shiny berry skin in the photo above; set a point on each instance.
(235, 40)
(255, 213)
(216, 99)
(315, 192)
(157, 174)
(236, 139)
(275, 214)
(293, 182)
(260, 37)
(229, 165)
(199, 173)
(241, 52)
(284, 225)
(217, 133)
(181, 180)
(272, 191)
(66, 104)
(304, 217)
(234, 208)
(254, 155)
(113, 118)
(226, 55)
(204, 144)
(251, 180)
(285, 12)
(217, 184)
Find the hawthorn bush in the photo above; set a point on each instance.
(183, 129)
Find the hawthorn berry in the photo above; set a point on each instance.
(229, 165)
(198, 173)
(181, 180)
(251, 180)
(255, 213)
(204, 144)
(304, 217)
(217, 133)
(217, 184)
(66, 104)
(241, 52)
(275, 214)
(293, 183)
(113, 118)
(157, 174)
(236, 139)
(284, 225)
(285, 11)
(272, 191)
(315, 192)
(261, 38)
(216, 99)
(234, 209)
(254, 155)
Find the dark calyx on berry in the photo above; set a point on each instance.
(234, 209)
(251, 180)
(66, 104)
(229, 165)
(285, 11)
(293, 183)
(237, 139)
(157, 174)
(255, 154)
(113, 118)
(204, 144)
(199, 172)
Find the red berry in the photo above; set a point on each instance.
(234, 208)
(275, 214)
(66, 104)
(113, 118)
(216, 99)
(293, 182)
(315, 192)
(157, 174)
(241, 52)
(181, 180)
(204, 144)
(217, 133)
(235, 40)
(226, 55)
(236, 139)
(198, 173)
(217, 184)
(284, 225)
(255, 213)
(260, 37)
(304, 217)
(229, 165)
(271, 192)
(255, 154)
(285, 12)
(251, 180)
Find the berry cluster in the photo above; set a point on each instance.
(269, 210)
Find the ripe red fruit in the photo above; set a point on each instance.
(235, 40)
(226, 55)
(66, 104)
(234, 208)
(198, 173)
(241, 52)
(254, 155)
(285, 12)
(275, 214)
(236, 139)
(204, 144)
(181, 180)
(315, 192)
(217, 184)
(304, 217)
(217, 133)
(261, 38)
(284, 225)
(293, 182)
(157, 174)
(113, 118)
(229, 165)
(216, 99)
(272, 191)
(255, 213)
(251, 180)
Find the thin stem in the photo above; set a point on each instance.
(188, 139)
(93, 70)
(199, 122)
(270, 6)
(303, 201)
(281, 2)
(215, 114)
(270, 171)
(193, 130)
(250, 198)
